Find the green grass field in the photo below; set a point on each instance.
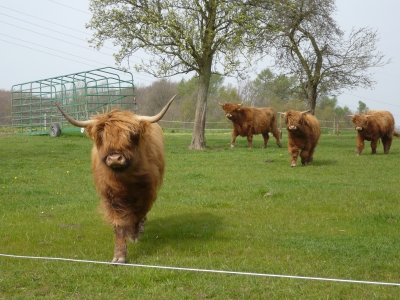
(238, 209)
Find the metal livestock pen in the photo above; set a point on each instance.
(80, 94)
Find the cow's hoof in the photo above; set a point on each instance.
(134, 239)
(118, 260)
(232, 146)
(280, 145)
(293, 165)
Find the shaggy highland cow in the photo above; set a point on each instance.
(303, 132)
(372, 126)
(128, 166)
(252, 120)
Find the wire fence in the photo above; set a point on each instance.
(332, 126)
(187, 125)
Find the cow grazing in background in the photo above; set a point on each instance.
(128, 167)
(252, 120)
(303, 132)
(372, 126)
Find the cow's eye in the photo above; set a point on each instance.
(134, 137)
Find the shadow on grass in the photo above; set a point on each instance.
(175, 231)
(324, 162)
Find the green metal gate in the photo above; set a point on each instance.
(80, 94)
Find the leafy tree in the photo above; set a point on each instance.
(362, 107)
(327, 102)
(225, 94)
(308, 43)
(325, 110)
(268, 86)
(188, 91)
(182, 35)
(344, 113)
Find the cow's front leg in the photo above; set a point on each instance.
(250, 140)
(304, 157)
(294, 153)
(360, 145)
(120, 249)
(311, 155)
(133, 234)
(234, 135)
(374, 144)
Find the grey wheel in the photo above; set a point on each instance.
(55, 129)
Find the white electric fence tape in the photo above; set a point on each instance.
(205, 270)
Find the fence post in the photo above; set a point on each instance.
(337, 126)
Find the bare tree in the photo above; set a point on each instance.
(309, 44)
(182, 35)
(151, 99)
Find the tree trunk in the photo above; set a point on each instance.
(311, 98)
(198, 137)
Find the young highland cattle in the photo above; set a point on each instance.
(252, 120)
(303, 132)
(372, 126)
(128, 167)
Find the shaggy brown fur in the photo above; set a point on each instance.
(252, 120)
(128, 185)
(372, 126)
(128, 166)
(303, 132)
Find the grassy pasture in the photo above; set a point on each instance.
(235, 209)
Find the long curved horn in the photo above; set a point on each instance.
(72, 120)
(350, 115)
(158, 116)
(306, 111)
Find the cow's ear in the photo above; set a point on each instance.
(143, 127)
(89, 132)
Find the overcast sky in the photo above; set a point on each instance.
(41, 39)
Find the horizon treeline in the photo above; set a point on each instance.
(267, 90)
